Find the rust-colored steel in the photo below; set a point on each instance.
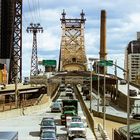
(103, 53)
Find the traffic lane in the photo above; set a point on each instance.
(28, 126)
(62, 131)
(123, 88)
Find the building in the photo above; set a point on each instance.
(132, 59)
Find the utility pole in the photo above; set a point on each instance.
(34, 28)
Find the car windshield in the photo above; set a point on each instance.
(79, 125)
(76, 119)
(56, 104)
(48, 123)
(48, 134)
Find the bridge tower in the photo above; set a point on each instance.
(72, 50)
(15, 71)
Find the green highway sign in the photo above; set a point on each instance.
(105, 63)
(50, 63)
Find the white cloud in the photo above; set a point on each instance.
(122, 24)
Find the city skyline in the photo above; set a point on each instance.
(122, 25)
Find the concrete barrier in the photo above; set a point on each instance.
(103, 132)
(86, 110)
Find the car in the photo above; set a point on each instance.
(85, 92)
(76, 129)
(79, 139)
(48, 135)
(136, 116)
(56, 107)
(62, 87)
(70, 119)
(122, 82)
(88, 97)
(59, 101)
(132, 92)
(26, 81)
(48, 123)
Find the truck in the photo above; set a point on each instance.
(69, 108)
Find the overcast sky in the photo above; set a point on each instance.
(123, 22)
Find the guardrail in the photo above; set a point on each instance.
(11, 105)
(90, 119)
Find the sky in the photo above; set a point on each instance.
(123, 23)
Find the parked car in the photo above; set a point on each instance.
(56, 107)
(48, 135)
(48, 123)
(132, 92)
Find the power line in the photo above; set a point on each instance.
(32, 18)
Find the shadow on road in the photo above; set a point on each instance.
(34, 133)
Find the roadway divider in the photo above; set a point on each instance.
(85, 109)
(103, 134)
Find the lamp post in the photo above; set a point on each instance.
(91, 60)
(128, 100)
(128, 107)
(98, 96)
(90, 86)
(104, 102)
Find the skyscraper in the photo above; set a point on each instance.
(132, 59)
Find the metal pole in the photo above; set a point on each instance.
(90, 87)
(98, 91)
(16, 93)
(117, 79)
(104, 102)
(128, 107)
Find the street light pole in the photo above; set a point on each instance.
(128, 101)
(128, 107)
(98, 90)
(104, 102)
(90, 86)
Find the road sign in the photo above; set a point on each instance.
(105, 63)
(50, 63)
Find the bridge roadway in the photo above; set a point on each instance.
(27, 123)
(124, 90)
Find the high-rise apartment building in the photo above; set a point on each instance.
(132, 59)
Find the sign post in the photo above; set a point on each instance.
(104, 63)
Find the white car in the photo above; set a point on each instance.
(76, 129)
(70, 119)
